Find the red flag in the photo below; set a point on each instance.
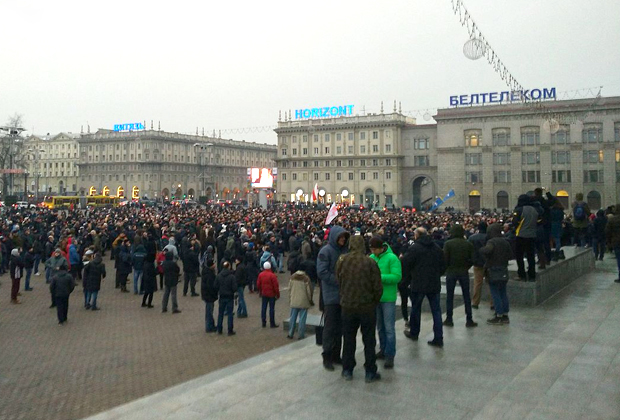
(315, 193)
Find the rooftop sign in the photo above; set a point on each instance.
(324, 112)
(129, 127)
(503, 97)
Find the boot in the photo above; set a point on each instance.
(556, 256)
(562, 256)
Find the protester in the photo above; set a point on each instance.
(149, 283)
(269, 291)
(241, 275)
(16, 267)
(497, 253)
(612, 232)
(300, 299)
(171, 279)
(209, 293)
(226, 284)
(525, 222)
(94, 272)
(459, 256)
(581, 215)
(478, 240)
(61, 287)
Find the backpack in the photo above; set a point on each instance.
(579, 211)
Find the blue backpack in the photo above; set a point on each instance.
(579, 211)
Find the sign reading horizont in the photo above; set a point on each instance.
(128, 127)
(325, 112)
(503, 97)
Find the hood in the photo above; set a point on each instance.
(224, 272)
(356, 244)
(335, 233)
(494, 231)
(171, 241)
(15, 252)
(524, 200)
(140, 248)
(299, 275)
(457, 231)
(97, 259)
(425, 240)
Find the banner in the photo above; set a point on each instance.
(439, 201)
(331, 215)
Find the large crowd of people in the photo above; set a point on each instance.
(361, 262)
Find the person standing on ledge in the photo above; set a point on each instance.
(478, 240)
(391, 275)
(612, 232)
(525, 221)
(459, 256)
(359, 279)
(497, 253)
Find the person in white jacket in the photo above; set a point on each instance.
(300, 299)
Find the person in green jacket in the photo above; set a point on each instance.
(391, 274)
(459, 256)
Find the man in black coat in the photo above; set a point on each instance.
(61, 287)
(209, 293)
(241, 275)
(226, 284)
(423, 265)
(93, 273)
(171, 278)
(191, 266)
(123, 265)
(149, 284)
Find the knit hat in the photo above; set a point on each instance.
(57, 250)
(267, 265)
(15, 252)
(89, 252)
(375, 242)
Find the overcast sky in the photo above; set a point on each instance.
(233, 65)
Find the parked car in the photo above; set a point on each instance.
(24, 205)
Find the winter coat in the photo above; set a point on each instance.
(612, 229)
(309, 267)
(208, 291)
(478, 240)
(123, 262)
(391, 273)
(497, 252)
(62, 284)
(137, 257)
(525, 217)
(306, 250)
(267, 284)
(55, 263)
(173, 249)
(359, 278)
(93, 273)
(149, 277)
(241, 275)
(423, 266)
(458, 253)
(28, 260)
(226, 284)
(326, 265)
(599, 226)
(300, 295)
(16, 266)
(191, 263)
(581, 224)
(171, 271)
(268, 256)
(251, 266)
(74, 257)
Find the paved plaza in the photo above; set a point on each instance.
(103, 359)
(559, 360)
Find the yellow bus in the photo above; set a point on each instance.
(83, 201)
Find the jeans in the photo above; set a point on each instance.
(272, 310)
(28, 275)
(303, 313)
(189, 280)
(37, 260)
(500, 298)
(91, 297)
(137, 276)
(209, 321)
(167, 292)
(451, 281)
(598, 247)
(280, 261)
(226, 306)
(386, 319)
(557, 239)
(416, 313)
(332, 332)
(525, 246)
(242, 309)
(580, 236)
(617, 252)
(351, 321)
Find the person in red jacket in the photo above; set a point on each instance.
(269, 290)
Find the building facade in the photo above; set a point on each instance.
(488, 155)
(158, 164)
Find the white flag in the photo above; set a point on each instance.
(331, 215)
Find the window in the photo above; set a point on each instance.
(362, 176)
(362, 135)
(617, 131)
(327, 177)
(375, 148)
(560, 157)
(294, 151)
(363, 150)
(350, 162)
(338, 163)
(473, 176)
(530, 158)
(592, 133)
(562, 136)
(305, 151)
(473, 138)
(283, 177)
(338, 136)
(501, 137)
(305, 139)
(316, 137)
(350, 150)
(326, 137)
(327, 150)
(592, 156)
(501, 176)
(593, 176)
(420, 144)
(375, 135)
(294, 176)
(501, 158)
(375, 162)
(388, 148)
(327, 163)
(420, 161)
(316, 176)
(530, 176)
(305, 163)
(294, 139)
(388, 162)
(561, 176)
(316, 163)
(375, 175)
(473, 158)
(388, 175)
(362, 162)
(350, 176)
(617, 156)
(339, 150)
(350, 136)
(338, 176)
(316, 150)
(530, 136)
(283, 153)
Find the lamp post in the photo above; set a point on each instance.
(202, 147)
(14, 137)
(36, 153)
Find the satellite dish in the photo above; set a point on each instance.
(474, 49)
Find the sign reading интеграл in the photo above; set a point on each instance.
(128, 127)
(503, 97)
(324, 112)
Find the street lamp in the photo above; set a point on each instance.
(36, 153)
(14, 137)
(202, 147)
